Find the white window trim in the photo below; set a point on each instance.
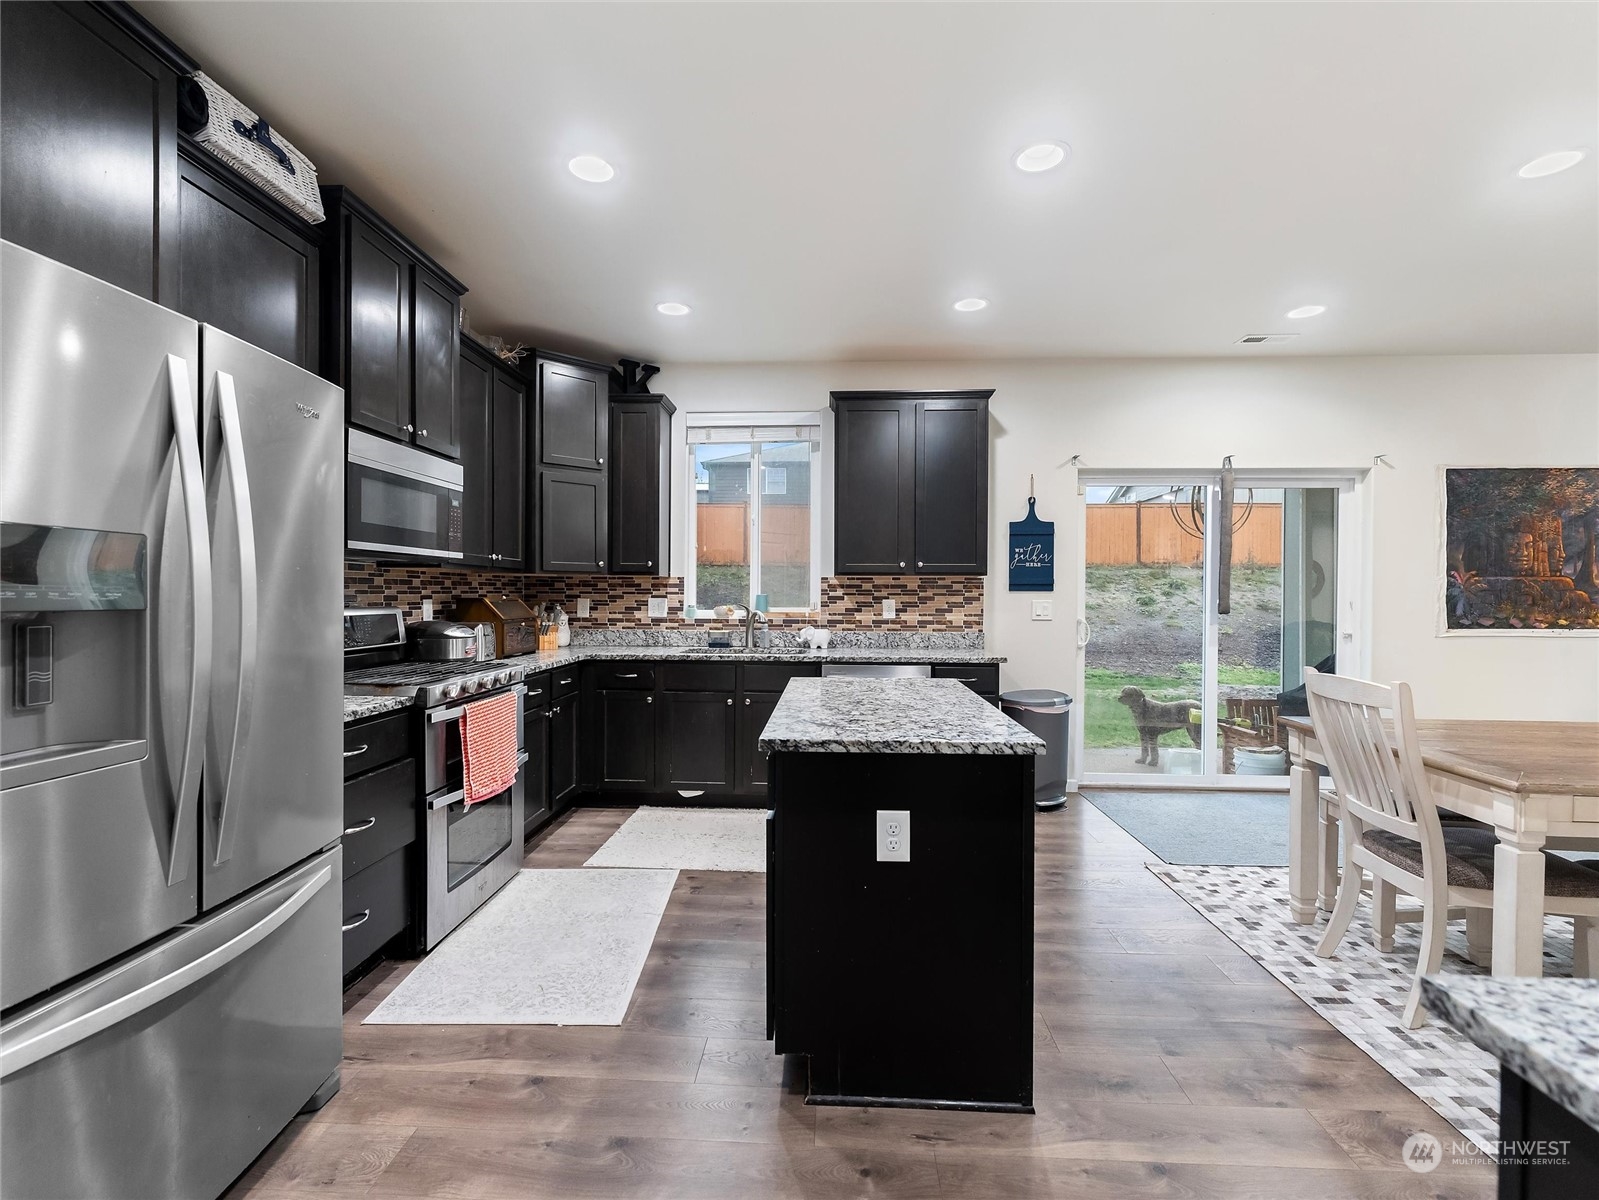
(691, 493)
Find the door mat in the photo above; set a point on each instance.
(688, 839)
(1229, 829)
(553, 948)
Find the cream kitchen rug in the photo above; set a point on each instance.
(552, 948)
(1360, 991)
(688, 839)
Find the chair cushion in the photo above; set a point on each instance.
(1471, 861)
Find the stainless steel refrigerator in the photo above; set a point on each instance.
(170, 782)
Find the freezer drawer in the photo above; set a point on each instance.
(167, 1074)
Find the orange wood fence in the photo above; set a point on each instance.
(1121, 535)
(722, 533)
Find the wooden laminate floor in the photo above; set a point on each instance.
(1167, 1064)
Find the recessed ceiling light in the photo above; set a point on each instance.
(1549, 164)
(591, 168)
(671, 308)
(1042, 156)
(970, 304)
(1306, 310)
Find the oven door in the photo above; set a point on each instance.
(473, 851)
(400, 501)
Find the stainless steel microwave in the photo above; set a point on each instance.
(400, 500)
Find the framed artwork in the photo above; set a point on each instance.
(1519, 549)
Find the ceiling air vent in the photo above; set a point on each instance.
(1256, 339)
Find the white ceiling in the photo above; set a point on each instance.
(823, 181)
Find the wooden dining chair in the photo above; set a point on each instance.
(1391, 829)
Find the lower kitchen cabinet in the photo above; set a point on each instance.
(625, 739)
(753, 713)
(535, 775)
(564, 727)
(381, 792)
(695, 734)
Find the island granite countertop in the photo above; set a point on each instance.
(851, 715)
(1545, 1030)
(359, 708)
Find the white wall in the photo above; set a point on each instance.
(1423, 413)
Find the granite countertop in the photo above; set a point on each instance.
(853, 654)
(1545, 1030)
(892, 716)
(359, 708)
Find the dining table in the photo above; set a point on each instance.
(1535, 782)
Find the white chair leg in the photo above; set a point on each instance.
(1585, 948)
(1327, 831)
(1434, 930)
(1383, 895)
(1480, 936)
(1343, 911)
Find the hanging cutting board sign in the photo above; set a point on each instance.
(1032, 552)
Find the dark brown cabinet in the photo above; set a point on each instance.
(89, 146)
(696, 735)
(753, 713)
(535, 774)
(911, 483)
(640, 473)
(492, 402)
(381, 790)
(573, 517)
(574, 414)
(391, 328)
(565, 713)
(245, 264)
(625, 745)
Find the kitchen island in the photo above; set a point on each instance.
(900, 893)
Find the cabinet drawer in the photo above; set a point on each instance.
(774, 677)
(563, 681)
(608, 676)
(371, 744)
(540, 689)
(698, 676)
(377, 905)
(380, 814)
(982, 678)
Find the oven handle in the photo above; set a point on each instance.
(451, 798)
(449, 714)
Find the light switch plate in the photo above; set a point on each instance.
(893, 835)
(1043, 610)
(888, 608)
(583, 608)
(657, 606)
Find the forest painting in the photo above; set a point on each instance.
(1520, 548)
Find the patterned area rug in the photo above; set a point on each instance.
(1361, 991)
(688, 839)
(553, 948)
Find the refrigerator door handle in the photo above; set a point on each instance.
(186, 437)
(52, 1039)
(249, 594)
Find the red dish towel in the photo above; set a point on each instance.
(488, 746)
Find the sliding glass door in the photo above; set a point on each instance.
(1187, 665)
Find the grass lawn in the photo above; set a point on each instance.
(788, 586)
(1108, 723)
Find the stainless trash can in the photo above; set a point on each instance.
(1047, 713)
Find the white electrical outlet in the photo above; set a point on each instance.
(1043, 610)
(657, 606)
(888, 608)
(893, 835)
(583, 607)
(427, 610)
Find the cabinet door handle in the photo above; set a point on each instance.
(730, 702)
(599, 462)
(564, 681)
(651, 700)
(357, 750)
(746, 701)
(920, 563)
(650, 563)
(902, 564)
(634, 675)
(424, 433)
(362, 827)
(410, 429)
(555, 710)
(963, 678)
(361, 920)
(602, 562)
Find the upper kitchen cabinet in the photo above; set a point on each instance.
(391, 328)
(641, 484)
(911, 486)
(493, 400)
(89, 143)
(574, 414)
(572, 514)
(246, 264)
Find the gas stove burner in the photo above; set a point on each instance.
(431, 684)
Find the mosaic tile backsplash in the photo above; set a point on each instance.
(924, 604)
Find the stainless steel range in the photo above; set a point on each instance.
(472, 852)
